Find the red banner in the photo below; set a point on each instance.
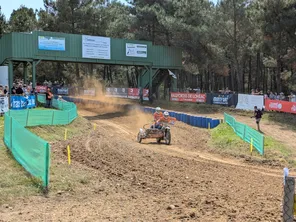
(41, 89)
(188, 97)
(133, 93)
(281, 106)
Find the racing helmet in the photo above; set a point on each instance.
(157, 109)
(166, 114)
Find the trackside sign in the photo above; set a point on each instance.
(188, 97)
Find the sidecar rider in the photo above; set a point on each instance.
(158, 114)
(166, 118)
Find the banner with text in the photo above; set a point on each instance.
(188, 97)
(134, 93)
(247, 102)
(4, 104)
(89, 92)
(281, 106)
(41, 89)
(62, 91)
(117, 92)
(22, 102)
(222, 99)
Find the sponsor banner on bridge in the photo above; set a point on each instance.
(247, 102)
(41, 89)
(188, 97)
(281, 106)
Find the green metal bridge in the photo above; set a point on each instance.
(39, 46)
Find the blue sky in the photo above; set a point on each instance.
(7, 6)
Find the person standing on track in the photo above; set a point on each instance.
(258, 115)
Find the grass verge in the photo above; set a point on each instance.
(224, 140)
(57, 133)
(16, 183)
(14, 180)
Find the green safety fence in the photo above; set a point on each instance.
(32, 152)
(246, 133)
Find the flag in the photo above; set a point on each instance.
(172, 74)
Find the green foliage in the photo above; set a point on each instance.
(3, 24)
(23, 20)
(240, 44)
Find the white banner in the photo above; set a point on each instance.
(247, 102)
(136, 50)
(96, 47)
(4, 75)
(89, 92)
(3, 104)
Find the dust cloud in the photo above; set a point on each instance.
(90, 82)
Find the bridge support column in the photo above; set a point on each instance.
(34, 74)
(25, 72)
(34, 64)
(150, 80)
(10, 75)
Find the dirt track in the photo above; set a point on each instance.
(138, 182)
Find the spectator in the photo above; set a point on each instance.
(1, 91)
(49, 97)
(6, 90)
(13, 89)
(19, 90)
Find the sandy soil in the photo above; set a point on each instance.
(152, 182)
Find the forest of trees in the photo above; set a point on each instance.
(239, 44)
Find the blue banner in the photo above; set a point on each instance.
(21, 102)
(62, 91)
(31, 102)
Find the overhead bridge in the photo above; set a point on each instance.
(39, 46)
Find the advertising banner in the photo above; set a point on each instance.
(96, 47)
(4, 75)
(31, 101)
(3, 104)
(247, 102)
(62, 91)
(51, 43)
(41, 89)
(281, 106)
(222, 99)
(136, 50)
(188, 97)
(117, 92)
(18, 102)
(89, 92)
(133, 93)
(146, 94)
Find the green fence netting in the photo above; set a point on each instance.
(246, 133)
(32, 152)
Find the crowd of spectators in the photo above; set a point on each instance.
(22, 89)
